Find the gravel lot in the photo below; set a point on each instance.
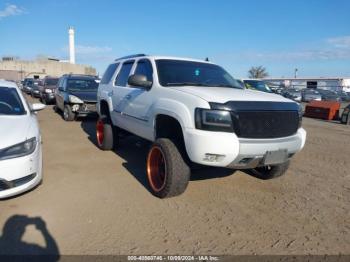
(96, 202)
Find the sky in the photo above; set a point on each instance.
(313, 35)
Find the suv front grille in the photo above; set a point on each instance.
(266, 124)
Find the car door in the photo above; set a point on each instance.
(60, 93)
(120, 98)
(139, 100)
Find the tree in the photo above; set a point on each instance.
(257, 72)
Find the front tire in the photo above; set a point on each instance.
(269, 172)
(106, 135)
(43, 99)
(68, 114)
(167, 172)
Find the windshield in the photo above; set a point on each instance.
(10, 102)
(82, 85)
(326, 92)
(51, 82)
(294, 92)
(311, 92)
(185, 73)
(257, 85)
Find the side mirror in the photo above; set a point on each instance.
(37, 107)
(139, 81)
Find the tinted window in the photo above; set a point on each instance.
(109, 73)
(60, 82)
(81, 85)
(257, 85)
(124, 73)
(144, 67)
(51, 81)
(10, 102)
(184, 73)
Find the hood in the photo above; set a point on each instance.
(86, 96)
(14, 129)
(224, 94)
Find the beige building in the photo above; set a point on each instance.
(15, 69)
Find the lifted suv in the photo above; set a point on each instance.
(76, 96)
(195, 112)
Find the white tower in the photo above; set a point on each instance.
(71, 45)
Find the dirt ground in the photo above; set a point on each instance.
(96, 202)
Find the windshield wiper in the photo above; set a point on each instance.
(185, 84)
(226, 85)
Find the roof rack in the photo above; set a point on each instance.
(130, 56)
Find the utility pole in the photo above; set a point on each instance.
(295, 72)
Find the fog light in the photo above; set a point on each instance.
(75, 108)
(245, 160)
(213, 157)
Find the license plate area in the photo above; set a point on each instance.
(275, 157)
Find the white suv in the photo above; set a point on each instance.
(194, 112)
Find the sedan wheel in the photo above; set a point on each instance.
(68, 115)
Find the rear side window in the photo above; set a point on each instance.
(144, 67)
(124, 73)
(109, 73)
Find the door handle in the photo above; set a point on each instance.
(128, 97)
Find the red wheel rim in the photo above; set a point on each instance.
(99, 132)
(156, 169)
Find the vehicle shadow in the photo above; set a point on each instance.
(11, 243)
(131, 148)
(134, 151)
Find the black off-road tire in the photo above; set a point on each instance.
(104, 128)
(68, 114)
(177, 172)
(269, 172)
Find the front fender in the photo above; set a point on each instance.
(174, 109)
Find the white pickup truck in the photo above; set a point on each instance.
(194, 112)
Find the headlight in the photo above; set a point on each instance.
(49, 91)
(213, 120)
(25, 148)
(75, 100)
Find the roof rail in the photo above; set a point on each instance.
(70, 74)
(130, 56)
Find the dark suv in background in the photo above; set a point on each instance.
(32, 87)
(47, 89)
(76, 96)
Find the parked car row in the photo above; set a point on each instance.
(74, 95)
(298, 95)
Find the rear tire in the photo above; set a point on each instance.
(68, 114)
(269, 172)
(106, 134)
(167, 172)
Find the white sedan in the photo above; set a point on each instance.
(20, 142)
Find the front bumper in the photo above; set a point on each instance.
(85, 109)
(36, 93)
(50, 97)
(20, 174)
(230, 150)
